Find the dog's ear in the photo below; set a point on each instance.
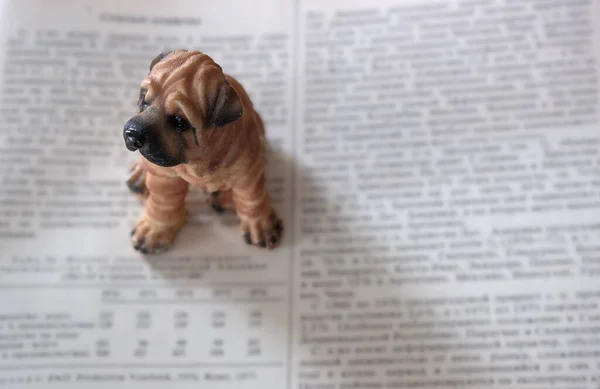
(226, 107)
(159, 58)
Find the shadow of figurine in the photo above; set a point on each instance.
(332, 267)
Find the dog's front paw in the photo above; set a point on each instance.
(150, 237)
(263, 231)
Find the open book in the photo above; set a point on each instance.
(436, 165)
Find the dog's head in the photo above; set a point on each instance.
(184, 94)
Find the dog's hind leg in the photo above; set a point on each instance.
(222, 201)
(137, 181)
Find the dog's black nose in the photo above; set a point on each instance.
(134, 138)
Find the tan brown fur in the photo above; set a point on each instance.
(228, 161)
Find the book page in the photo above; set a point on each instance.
(449, 195)
(80, 307)
(436, 165)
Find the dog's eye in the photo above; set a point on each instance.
(179, 123)
(143, 103)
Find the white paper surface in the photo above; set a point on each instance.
(436, 164)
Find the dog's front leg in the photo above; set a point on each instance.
(164, 214)
(259, 222)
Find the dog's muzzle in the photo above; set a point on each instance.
(148, 133)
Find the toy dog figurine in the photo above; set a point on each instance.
(197, 127)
